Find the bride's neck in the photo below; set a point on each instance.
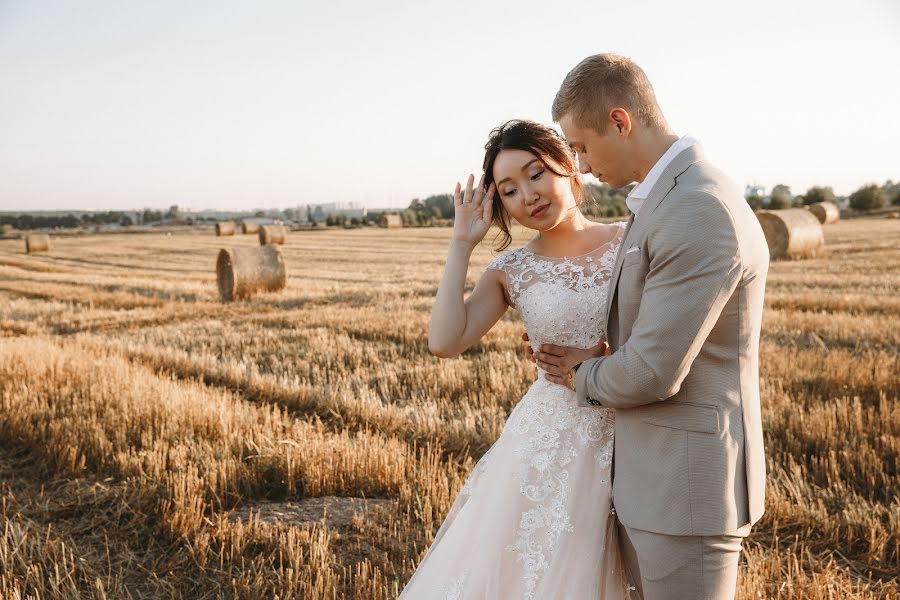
(566, 232)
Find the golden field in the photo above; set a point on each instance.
(156, 443)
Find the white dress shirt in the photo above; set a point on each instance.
(640, 192)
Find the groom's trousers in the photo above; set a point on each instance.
(672, 567)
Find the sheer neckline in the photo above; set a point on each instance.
(589, 252)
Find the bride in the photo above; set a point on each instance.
(534, 519)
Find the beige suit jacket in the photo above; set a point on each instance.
(683, 314)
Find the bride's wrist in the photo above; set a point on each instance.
(463, 245)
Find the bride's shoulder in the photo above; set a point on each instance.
(617, 229)
(609, 232)
(508, 258)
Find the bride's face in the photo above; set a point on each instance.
(531, 193)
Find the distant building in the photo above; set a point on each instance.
(320, 212)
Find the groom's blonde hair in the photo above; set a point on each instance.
(601, 83)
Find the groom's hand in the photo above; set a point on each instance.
(558, 361)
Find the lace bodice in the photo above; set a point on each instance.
(561, 300)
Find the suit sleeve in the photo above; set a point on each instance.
(695, 267)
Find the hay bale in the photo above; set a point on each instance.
(792, 233)
(224, 228)
(390, 221)
(272, 234)
(826, 212)
(37, 242)
(244, 271)
(249, 227)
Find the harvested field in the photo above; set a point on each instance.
(157, 443)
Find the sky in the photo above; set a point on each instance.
(120, 104)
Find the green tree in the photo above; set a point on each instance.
(868, 197)
(373, 217)
(892, 191)
(755, 202)
(780, 197)
(151, 216)
(444, 204)
(819, 194)
(408, 217)
(779, 201)
(604, 201)
(780, 187)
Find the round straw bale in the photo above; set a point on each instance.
(390, 221)
(272, 234)
(225, 228)
(37, 242)
(826, 212)
(791, 233)
(249, 227)
(243, 271)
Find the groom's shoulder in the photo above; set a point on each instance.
(703, 188)
(706, 179)
(706, 199)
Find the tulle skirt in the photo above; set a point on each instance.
(534, 519)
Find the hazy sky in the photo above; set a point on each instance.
(124, 104)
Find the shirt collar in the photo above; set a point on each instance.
(639, 193)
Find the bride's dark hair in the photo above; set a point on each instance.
(541, 141)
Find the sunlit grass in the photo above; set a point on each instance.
(145, 412)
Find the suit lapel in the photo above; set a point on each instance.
(636, 224)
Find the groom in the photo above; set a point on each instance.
(683, 320)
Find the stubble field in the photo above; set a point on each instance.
(156, 443)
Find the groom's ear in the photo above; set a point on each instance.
(620, 121)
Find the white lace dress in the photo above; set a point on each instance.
(534, 519)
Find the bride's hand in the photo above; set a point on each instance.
(472, 212)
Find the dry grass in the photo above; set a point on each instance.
(156, 443)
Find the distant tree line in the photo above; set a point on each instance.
(339, 220)
(69, 221)
(26, 221)
(437, 210)
(868, 197)
(604, 201)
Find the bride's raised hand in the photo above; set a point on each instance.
(473, 211)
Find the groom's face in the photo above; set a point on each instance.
(601, 155)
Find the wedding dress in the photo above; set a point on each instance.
(534, 519)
